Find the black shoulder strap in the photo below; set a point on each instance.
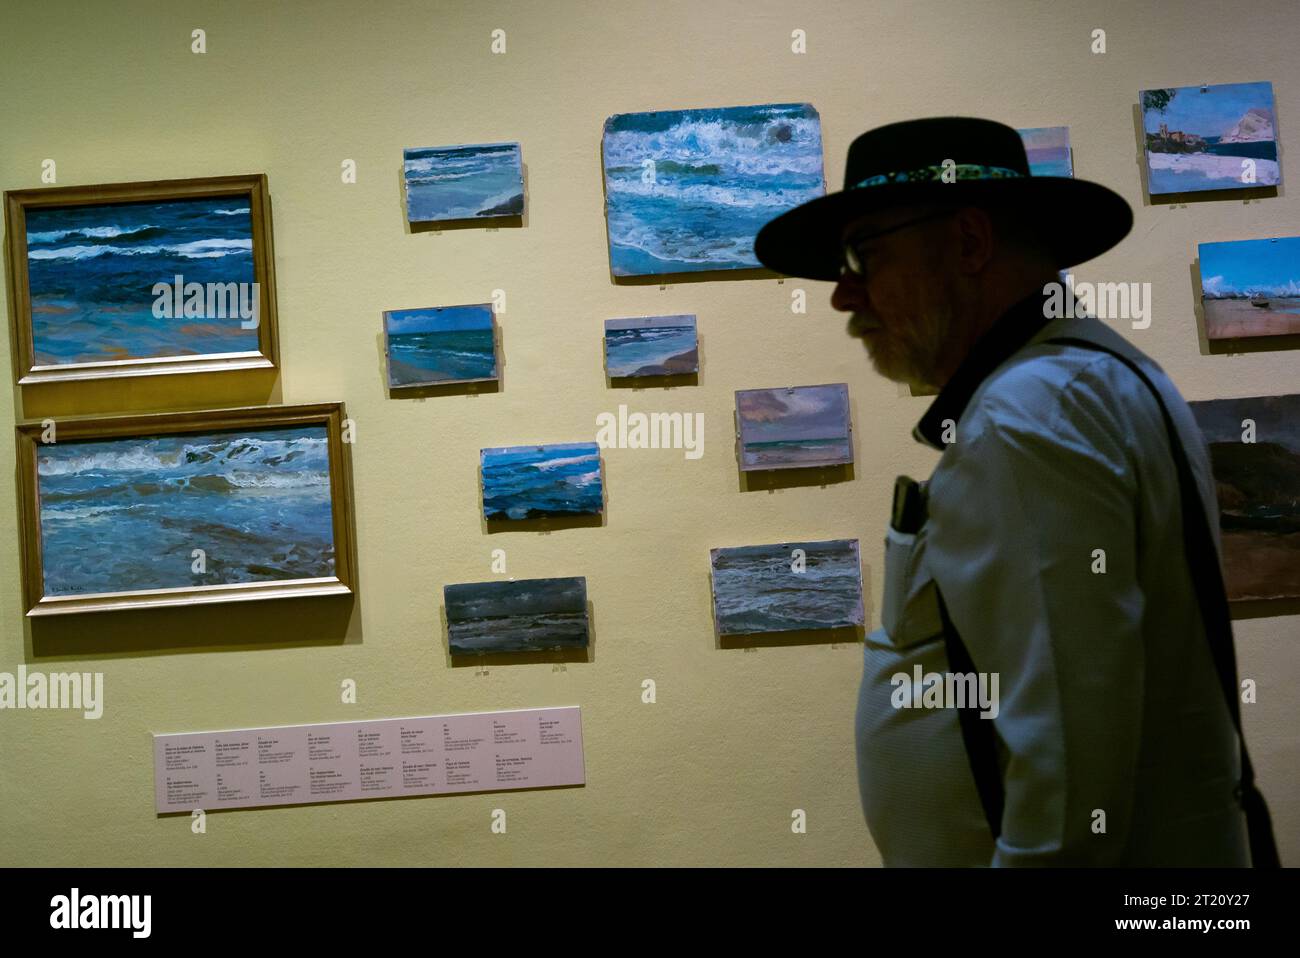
(1207, 582)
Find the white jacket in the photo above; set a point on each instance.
(1115, 743)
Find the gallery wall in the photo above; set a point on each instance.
(738, 738)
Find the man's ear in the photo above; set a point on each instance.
(977, 238)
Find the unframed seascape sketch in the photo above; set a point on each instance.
(529, 615)
(651, 346)
(688, 190)
(440, 345)
(1048, 150)
(93, 272)
(125, 515)
(481, 181)
(794, 427)
(1251, 287)
(1217, 137)
(773, 588)
(1258, 486)
(529, 482)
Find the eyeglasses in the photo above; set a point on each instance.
(854, 260)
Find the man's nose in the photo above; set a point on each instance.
(850, 294)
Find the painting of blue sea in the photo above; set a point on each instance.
(530, 615)
(651, 346)
(688, 190)
(773, 589)
(794, 427)
(1218, 137)
(441, 344)
(124, 515)
(92, 271)
(463, 182)
(1048, 149)
(528, 482)
(1251, 287)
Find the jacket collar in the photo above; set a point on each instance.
(1007, 336)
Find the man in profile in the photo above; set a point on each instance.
(1048, 548)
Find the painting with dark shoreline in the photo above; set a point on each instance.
(530, 482)
(688, 190)
(92, 272)
(794, 427)
(1210, 138)
(440, 345)
(651, 346)
(481, 181)
(1251, 287)
(124, 515)
(528, 615)
(769, 588)
(1258, 486)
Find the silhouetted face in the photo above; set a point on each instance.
(905, 307)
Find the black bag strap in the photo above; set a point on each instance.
(1207, 582)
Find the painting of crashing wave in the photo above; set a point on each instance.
(688, 190)
(483, 181)
(128, 514)
(787, 587)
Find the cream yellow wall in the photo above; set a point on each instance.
(737, 739)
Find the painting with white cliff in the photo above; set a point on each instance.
(1251, 287)
(1218, 137)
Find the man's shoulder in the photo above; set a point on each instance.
(1067, 390)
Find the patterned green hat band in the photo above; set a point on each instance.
(925, 174)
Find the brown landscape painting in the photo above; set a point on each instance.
(1251, 287)
(1258, 485)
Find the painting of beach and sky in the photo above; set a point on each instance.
(530, 615)
(794, 427)
(1048, 149)
(773, 589)
(1251, 287)
(1258, 485)
(441, 344)
(528, 482)
(651, 346)
(1199, 138)
(124, 515)
(92, 271)
(463, 182)
(688, 190)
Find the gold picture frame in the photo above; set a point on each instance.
(108, 516)
(85, 247)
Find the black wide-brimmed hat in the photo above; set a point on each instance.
(904, 163)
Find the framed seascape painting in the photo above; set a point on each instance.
(1218, 137)
(179, 508)
(528, 615)
(482, 181)
(137, 279)
(1251, 287)
(796, 427)
(1255, 456)
(532, 482)
(1048, 150)
(688, 190)
(790, 586)
(651, 346)
(440, 345)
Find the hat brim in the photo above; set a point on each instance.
(1077, 219)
